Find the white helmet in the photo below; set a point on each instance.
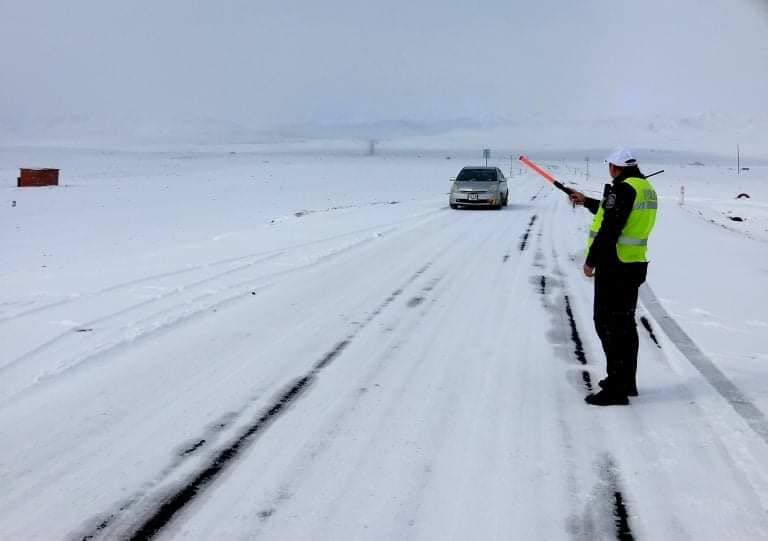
(621, 157)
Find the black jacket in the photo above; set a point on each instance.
(618, 200)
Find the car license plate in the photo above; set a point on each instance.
(473, 196)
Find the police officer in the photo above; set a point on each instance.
(616, 258)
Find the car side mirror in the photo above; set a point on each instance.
(453, 180)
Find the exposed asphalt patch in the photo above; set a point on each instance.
(534, 196)
(264, 515)
(194, 447)
(331, 355)
(179, 497)
(506, 258)
(415, 301)
(107, 521)
(578, 344)
(524, 239)
(173, 504)
(559, 333)
(430, 286)
(647, 325)
(606, 514)
(610, 477)
(623, 531)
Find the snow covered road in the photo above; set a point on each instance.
(419, 375)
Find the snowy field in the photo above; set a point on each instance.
(306, 343)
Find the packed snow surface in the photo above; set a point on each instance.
(254, 343)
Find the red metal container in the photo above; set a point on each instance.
(38, 177)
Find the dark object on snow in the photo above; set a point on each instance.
(745, 168)
(38, 177)
(742, 196)
(647, 325)
(736, 218)
(607, 398)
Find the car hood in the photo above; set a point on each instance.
(474, 186)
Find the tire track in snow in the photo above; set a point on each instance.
(610, 509)
(544, 285)
(538, 193)
(384, 228)
(578, 344)
(152, 494)
(605, 512)
(177, 500)
(308, 456)
(176, 291)
(647, 326)
(289, 488)
(737, 399)
(135, 334)
(138, 281)
(524, 239)
(132, 331)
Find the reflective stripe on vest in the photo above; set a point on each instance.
(646, 205)
(631, 246)
(628, 241)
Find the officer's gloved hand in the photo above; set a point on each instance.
(577, 198)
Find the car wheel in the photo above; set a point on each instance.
(453, 205)
(506, 200)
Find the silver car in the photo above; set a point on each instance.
(479, 187)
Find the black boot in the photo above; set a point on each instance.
(631, 388)
(607, 397)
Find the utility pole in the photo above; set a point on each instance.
(587, 160)
(738, 160)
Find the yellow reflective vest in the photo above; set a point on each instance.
(632, 246)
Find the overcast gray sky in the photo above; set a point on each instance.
(282, 62)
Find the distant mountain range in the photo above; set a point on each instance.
(710, 132)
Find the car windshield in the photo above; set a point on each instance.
(477, 175)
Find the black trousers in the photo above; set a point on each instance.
(614, 313)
